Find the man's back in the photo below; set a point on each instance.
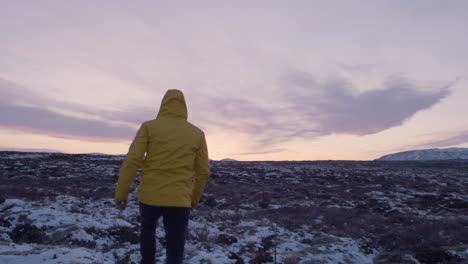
(176, 155)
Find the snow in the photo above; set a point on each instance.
(83, 236)
(52, 255)
(460, 253)
(27, 155)
(429, 154)
(306, 205)
(57, 215)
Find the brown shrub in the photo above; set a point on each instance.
(27, 233)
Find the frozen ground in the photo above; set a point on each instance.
(58, 209)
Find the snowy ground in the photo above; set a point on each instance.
(59, 209)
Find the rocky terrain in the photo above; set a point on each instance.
(58, 208)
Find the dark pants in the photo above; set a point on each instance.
(175, 221)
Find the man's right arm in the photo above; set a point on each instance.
(132, 162)
(202, 172)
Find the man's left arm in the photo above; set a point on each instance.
(133, 161)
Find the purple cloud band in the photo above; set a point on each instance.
(309, 109)
(336, 109)
(37, 119)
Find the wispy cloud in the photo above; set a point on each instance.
(259, 152)
(308, 109)
(335, 107)
(447, 140)
(311, 109)
(42, 121)
(22, 110)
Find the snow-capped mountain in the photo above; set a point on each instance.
(429, 154)
(228, 160)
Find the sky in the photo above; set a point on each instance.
(265, 80)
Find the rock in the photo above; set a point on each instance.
(434, 255)
(27, 233)
(124, 234)
(455, 204)
(262, 257)
(2, 200)
(4, 222)
(307, 241)
(394, 257)
(236, 257)
(226, 239)
(210, 201)
(62, 233)
(263, 204)
(268, 242)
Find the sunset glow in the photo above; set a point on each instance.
(265, 80)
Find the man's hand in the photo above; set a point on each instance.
(121, 205)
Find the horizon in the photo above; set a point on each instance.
(301, 80)
(223, 159)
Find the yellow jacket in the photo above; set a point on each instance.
(176, 166)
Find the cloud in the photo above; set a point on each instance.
(259, 152)
(15, 94)
(335, 108)
(41, 121)
(238, 115)
(448, 141)
(311, 109)
(24, 111)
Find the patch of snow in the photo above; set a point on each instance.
(82, 236)
(463, 254)
(429, 154)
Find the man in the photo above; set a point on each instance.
(175, 171)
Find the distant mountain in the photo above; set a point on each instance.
(228, 160)
(429, 154)
(102, 154)
(29, 150)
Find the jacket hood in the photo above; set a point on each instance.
(173, 105)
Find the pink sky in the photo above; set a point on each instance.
(265, 80)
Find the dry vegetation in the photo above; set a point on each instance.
(398, 211)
